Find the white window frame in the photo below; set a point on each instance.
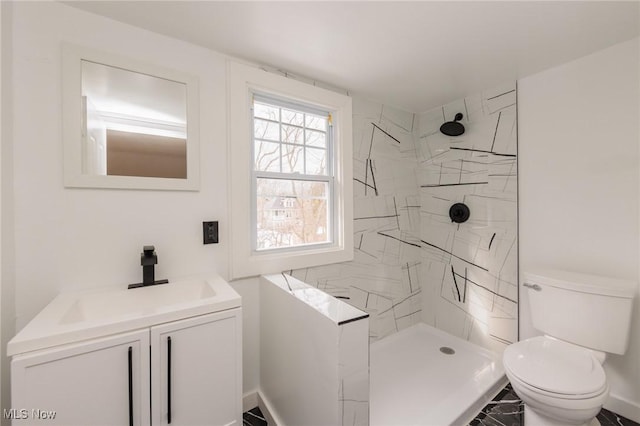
(328, 178)
(243, 82)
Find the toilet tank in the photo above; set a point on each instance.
(587, 310)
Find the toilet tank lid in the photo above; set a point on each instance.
(585, 283)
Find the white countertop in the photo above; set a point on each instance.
(81, 315)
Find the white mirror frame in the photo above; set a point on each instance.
(72, 56)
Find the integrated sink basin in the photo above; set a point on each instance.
(139, 301)
(76, 316)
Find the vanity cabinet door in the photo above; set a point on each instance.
(97, 382)
(196, 371)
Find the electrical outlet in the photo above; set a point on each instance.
(210, 232)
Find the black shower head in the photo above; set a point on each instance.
(453, 128)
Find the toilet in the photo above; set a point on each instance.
(559, 376)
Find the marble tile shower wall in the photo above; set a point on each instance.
(384, 277)
(411, 263)
(470, 269)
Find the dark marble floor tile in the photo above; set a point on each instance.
(507, 409)
(253, 417)
(609, 418)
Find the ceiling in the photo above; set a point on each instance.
(413, 55)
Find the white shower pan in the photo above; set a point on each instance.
(417, 380)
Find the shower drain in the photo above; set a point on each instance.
(447, 350)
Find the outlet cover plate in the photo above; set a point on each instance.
(210, 232)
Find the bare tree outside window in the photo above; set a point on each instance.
(292, 180)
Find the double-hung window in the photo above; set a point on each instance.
(290, 173)
(293, 183)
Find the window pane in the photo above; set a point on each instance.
(318, 139)
(265, 111)
(315, 122)
(316, 161)
(291, 213)
(292, 159)
(292, 134)
(292, 117)
(266, 130)
(267, 156)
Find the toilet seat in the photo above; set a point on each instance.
(562, 399)
(558, 406)
(555, 368)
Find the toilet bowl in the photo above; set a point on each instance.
(559, 376)
(559, 383)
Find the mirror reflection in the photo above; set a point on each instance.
(133, 124)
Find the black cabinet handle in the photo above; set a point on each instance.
(169, 379)
(130, 356)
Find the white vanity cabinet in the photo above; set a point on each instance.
(195, 371)
(99, 382)
(184, 372)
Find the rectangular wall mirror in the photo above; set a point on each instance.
(128, 124)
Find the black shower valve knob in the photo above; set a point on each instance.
(459, 213)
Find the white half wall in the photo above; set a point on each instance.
(314, 355)
(579, 185)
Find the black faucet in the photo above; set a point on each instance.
(148, 258)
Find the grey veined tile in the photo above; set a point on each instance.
(507, 409)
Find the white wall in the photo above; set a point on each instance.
(249, 290)
(1, 97)
(579, 190)
(80, 238)
(7, 307)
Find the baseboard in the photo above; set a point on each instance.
(624, 407)
(268, 411)
(249, 401)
